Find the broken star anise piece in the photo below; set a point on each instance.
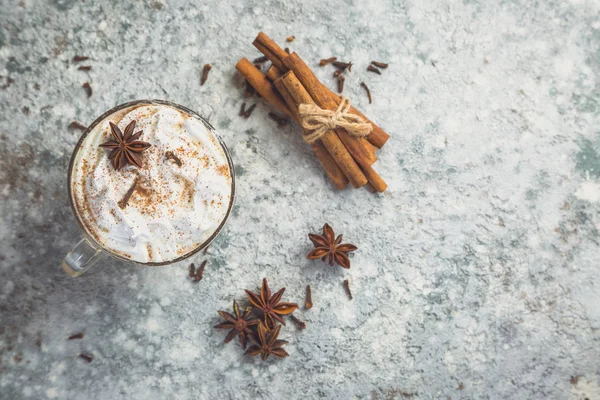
(125, 148)
(267, 343)
(270, 306)
(239, 324)
(329, 249)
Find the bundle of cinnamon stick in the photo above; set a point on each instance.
(288, 83)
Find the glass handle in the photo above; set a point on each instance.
(80, 258)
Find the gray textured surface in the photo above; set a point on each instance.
(477, 274)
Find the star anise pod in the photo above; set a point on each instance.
(329, 249)
(270, 306)
(239, 324)
(267, 343)
(125, 148)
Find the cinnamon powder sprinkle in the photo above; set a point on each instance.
(205, 71)
(347, 288)
(364, 85)
(308, 302)
(88, 89)
(325, 61)
(125, 199)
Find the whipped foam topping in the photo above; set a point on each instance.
(173, 209)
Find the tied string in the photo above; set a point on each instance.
(318, 121)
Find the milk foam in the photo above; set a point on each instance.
(174, 209)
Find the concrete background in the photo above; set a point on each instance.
(477, 274)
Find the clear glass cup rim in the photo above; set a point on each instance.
(194, 114)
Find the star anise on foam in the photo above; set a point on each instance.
(270, 306)
(125, 148)
(239, 324)
(329, 249)
(267, 343)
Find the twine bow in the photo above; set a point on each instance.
(318, 121)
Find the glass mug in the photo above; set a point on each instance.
(88, 250)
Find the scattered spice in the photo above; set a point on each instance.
(88, 89)
(171, 156)
(287, 50)
(299, 323)
(328, 248)
(249, 111)
(87, 357)
(25, 110)
(239, 324)
(460, 386)
(290, 38)
(242, 110)
(205, 71)
(77, 125)
(343, 65)
(125, 148)
(574, 380)
(125, 199)
(347, 288)
(250, 91)
(340, 81)
(380, 64)
(308, 302)
(80, 58)
(260, 60)
(364, 85)
(281, 121)
(270, 306)
(196, 274)
(337, 73)
(267, 343)
(373, 69)
(74, 336)
(325, 61)
(85, 67)
(18, 358)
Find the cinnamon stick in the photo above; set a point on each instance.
(269, 48)
(262, 85)
(273, 73)
(374, 179)
(331, 140)
(362, 151)
(331, 168)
